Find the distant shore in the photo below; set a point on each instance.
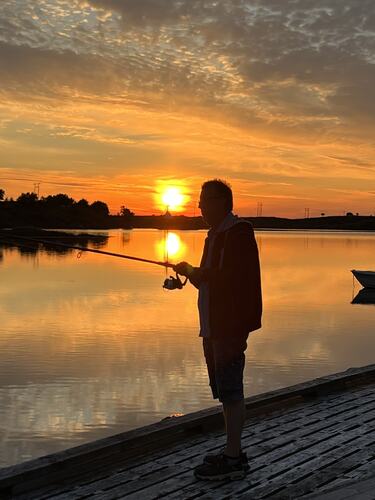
(348, 222)
(59, 211)
(181, 222)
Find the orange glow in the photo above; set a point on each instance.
(184, 162)
(171, 196)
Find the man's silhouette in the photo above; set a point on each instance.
(230, 306)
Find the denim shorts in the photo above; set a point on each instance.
(225, 364)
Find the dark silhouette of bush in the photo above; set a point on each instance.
(58, 210)
(126, 217)
(57, 200)
(125, 212)
(100, 208)
(81, 204)
(27, 199)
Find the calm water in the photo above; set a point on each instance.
(94, 346)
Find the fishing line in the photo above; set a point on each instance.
(171, 283)
(166, 256)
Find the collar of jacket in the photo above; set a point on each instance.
(229, 221)
(221, 239)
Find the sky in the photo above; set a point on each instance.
(118, 100)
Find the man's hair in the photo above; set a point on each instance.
(223, 189)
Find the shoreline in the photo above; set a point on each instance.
(256, 230)
(182, 222)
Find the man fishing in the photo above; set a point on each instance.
(230, 307)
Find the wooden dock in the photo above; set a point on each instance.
(306, 438)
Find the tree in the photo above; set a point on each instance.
(100, 208)
(125, 212)
(2, 194)
(58, 200)
(27, 199)
(82, 203)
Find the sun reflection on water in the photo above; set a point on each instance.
(170, 247)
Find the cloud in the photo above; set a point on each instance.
(264, 65)
(164, 12)
(40, 72)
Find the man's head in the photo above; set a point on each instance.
(216, 201)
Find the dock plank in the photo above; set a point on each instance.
(274, 466)
(276, 450)
(211, 445)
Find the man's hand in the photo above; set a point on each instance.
(183, 269)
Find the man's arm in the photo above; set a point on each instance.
(194, 274)
(196, 277)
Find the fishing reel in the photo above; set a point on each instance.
(174, 283)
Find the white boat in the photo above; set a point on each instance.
(366, 278)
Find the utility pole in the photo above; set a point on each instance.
(307, 213)
(36, 188)
(259, 209)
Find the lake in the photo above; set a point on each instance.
(93, 346)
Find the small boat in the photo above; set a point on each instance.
(366, 278)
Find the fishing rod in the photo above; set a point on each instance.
(171, 283)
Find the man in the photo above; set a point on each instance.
(230, 306)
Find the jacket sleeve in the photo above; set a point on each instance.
(196, 278)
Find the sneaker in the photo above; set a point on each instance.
(221, 468)
(211, 459)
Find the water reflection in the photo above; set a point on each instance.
(170, 248)
(365, 296)
(27, 245)
(93, 346)
(125, 237)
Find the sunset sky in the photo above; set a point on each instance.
(119, 99)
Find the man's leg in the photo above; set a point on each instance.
(227, 374)
(234, 416)
(230, 366)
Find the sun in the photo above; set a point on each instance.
(172, 198)
(171, 195)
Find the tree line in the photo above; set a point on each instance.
(59, 211)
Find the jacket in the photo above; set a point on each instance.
(235, 304)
